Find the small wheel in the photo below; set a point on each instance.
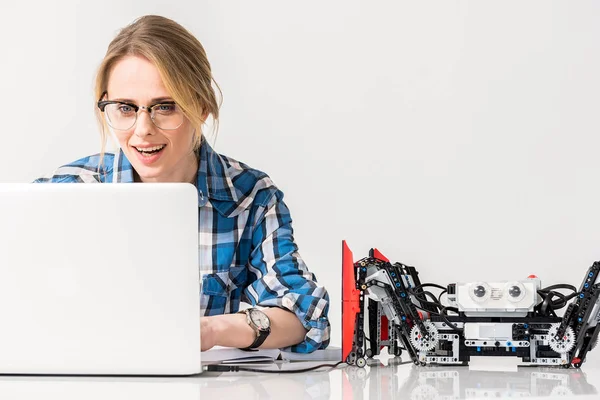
(361, 362)
(423, 363)
(351, 359)
(397, 352)
(369, 353)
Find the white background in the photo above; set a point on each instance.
(457, 136)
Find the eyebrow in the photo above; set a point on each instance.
(156, 100)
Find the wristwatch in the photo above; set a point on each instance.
(260, 323)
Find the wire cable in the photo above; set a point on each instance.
(444, 316)
(435, 285)
(548, 306)
(439, 299)
(237, 368)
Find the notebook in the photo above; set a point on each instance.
(228, 355)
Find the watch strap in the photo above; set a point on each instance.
(260, 339)
(261, 335)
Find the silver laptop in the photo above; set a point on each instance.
(99, 279)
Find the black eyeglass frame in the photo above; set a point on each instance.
(103, 103)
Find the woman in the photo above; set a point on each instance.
(154, 91)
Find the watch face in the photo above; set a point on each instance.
(260, 319)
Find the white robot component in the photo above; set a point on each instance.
(561, 344)
(427, 341)
(497, 299)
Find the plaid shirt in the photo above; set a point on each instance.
(246, 246)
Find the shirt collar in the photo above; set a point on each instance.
(213, 175)
(213, 180)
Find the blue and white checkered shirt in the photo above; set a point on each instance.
(246, 246)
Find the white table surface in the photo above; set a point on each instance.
(381, 379)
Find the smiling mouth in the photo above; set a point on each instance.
(148, 151)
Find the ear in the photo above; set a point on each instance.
(205, 116)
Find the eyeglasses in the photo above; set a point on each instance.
(122, 115)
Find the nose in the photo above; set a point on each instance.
(144, 125)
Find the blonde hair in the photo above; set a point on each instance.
(181, 62)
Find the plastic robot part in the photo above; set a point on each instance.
(562, 344)
(426, 341)
(479, 291)
(384, 304)
(496, 299)
(515, 291)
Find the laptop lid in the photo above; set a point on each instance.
(99, 279)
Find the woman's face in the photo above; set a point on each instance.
(136, 80)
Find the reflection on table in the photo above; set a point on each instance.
(246, 385)
(380, 379)
(433, 383)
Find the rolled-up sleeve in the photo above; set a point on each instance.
(283, 280)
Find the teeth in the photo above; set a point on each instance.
(149, 149)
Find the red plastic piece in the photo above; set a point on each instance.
(384, 321)
(350, 300)
(377, 254)
(532, 277)
(384, 329)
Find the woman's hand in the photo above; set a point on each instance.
(229, 330)
(208, 337)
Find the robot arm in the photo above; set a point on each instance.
(583, 316)
(389, 286)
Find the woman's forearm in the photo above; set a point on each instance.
(286, 329)
(232, 330)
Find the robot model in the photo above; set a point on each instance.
(510, 318)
